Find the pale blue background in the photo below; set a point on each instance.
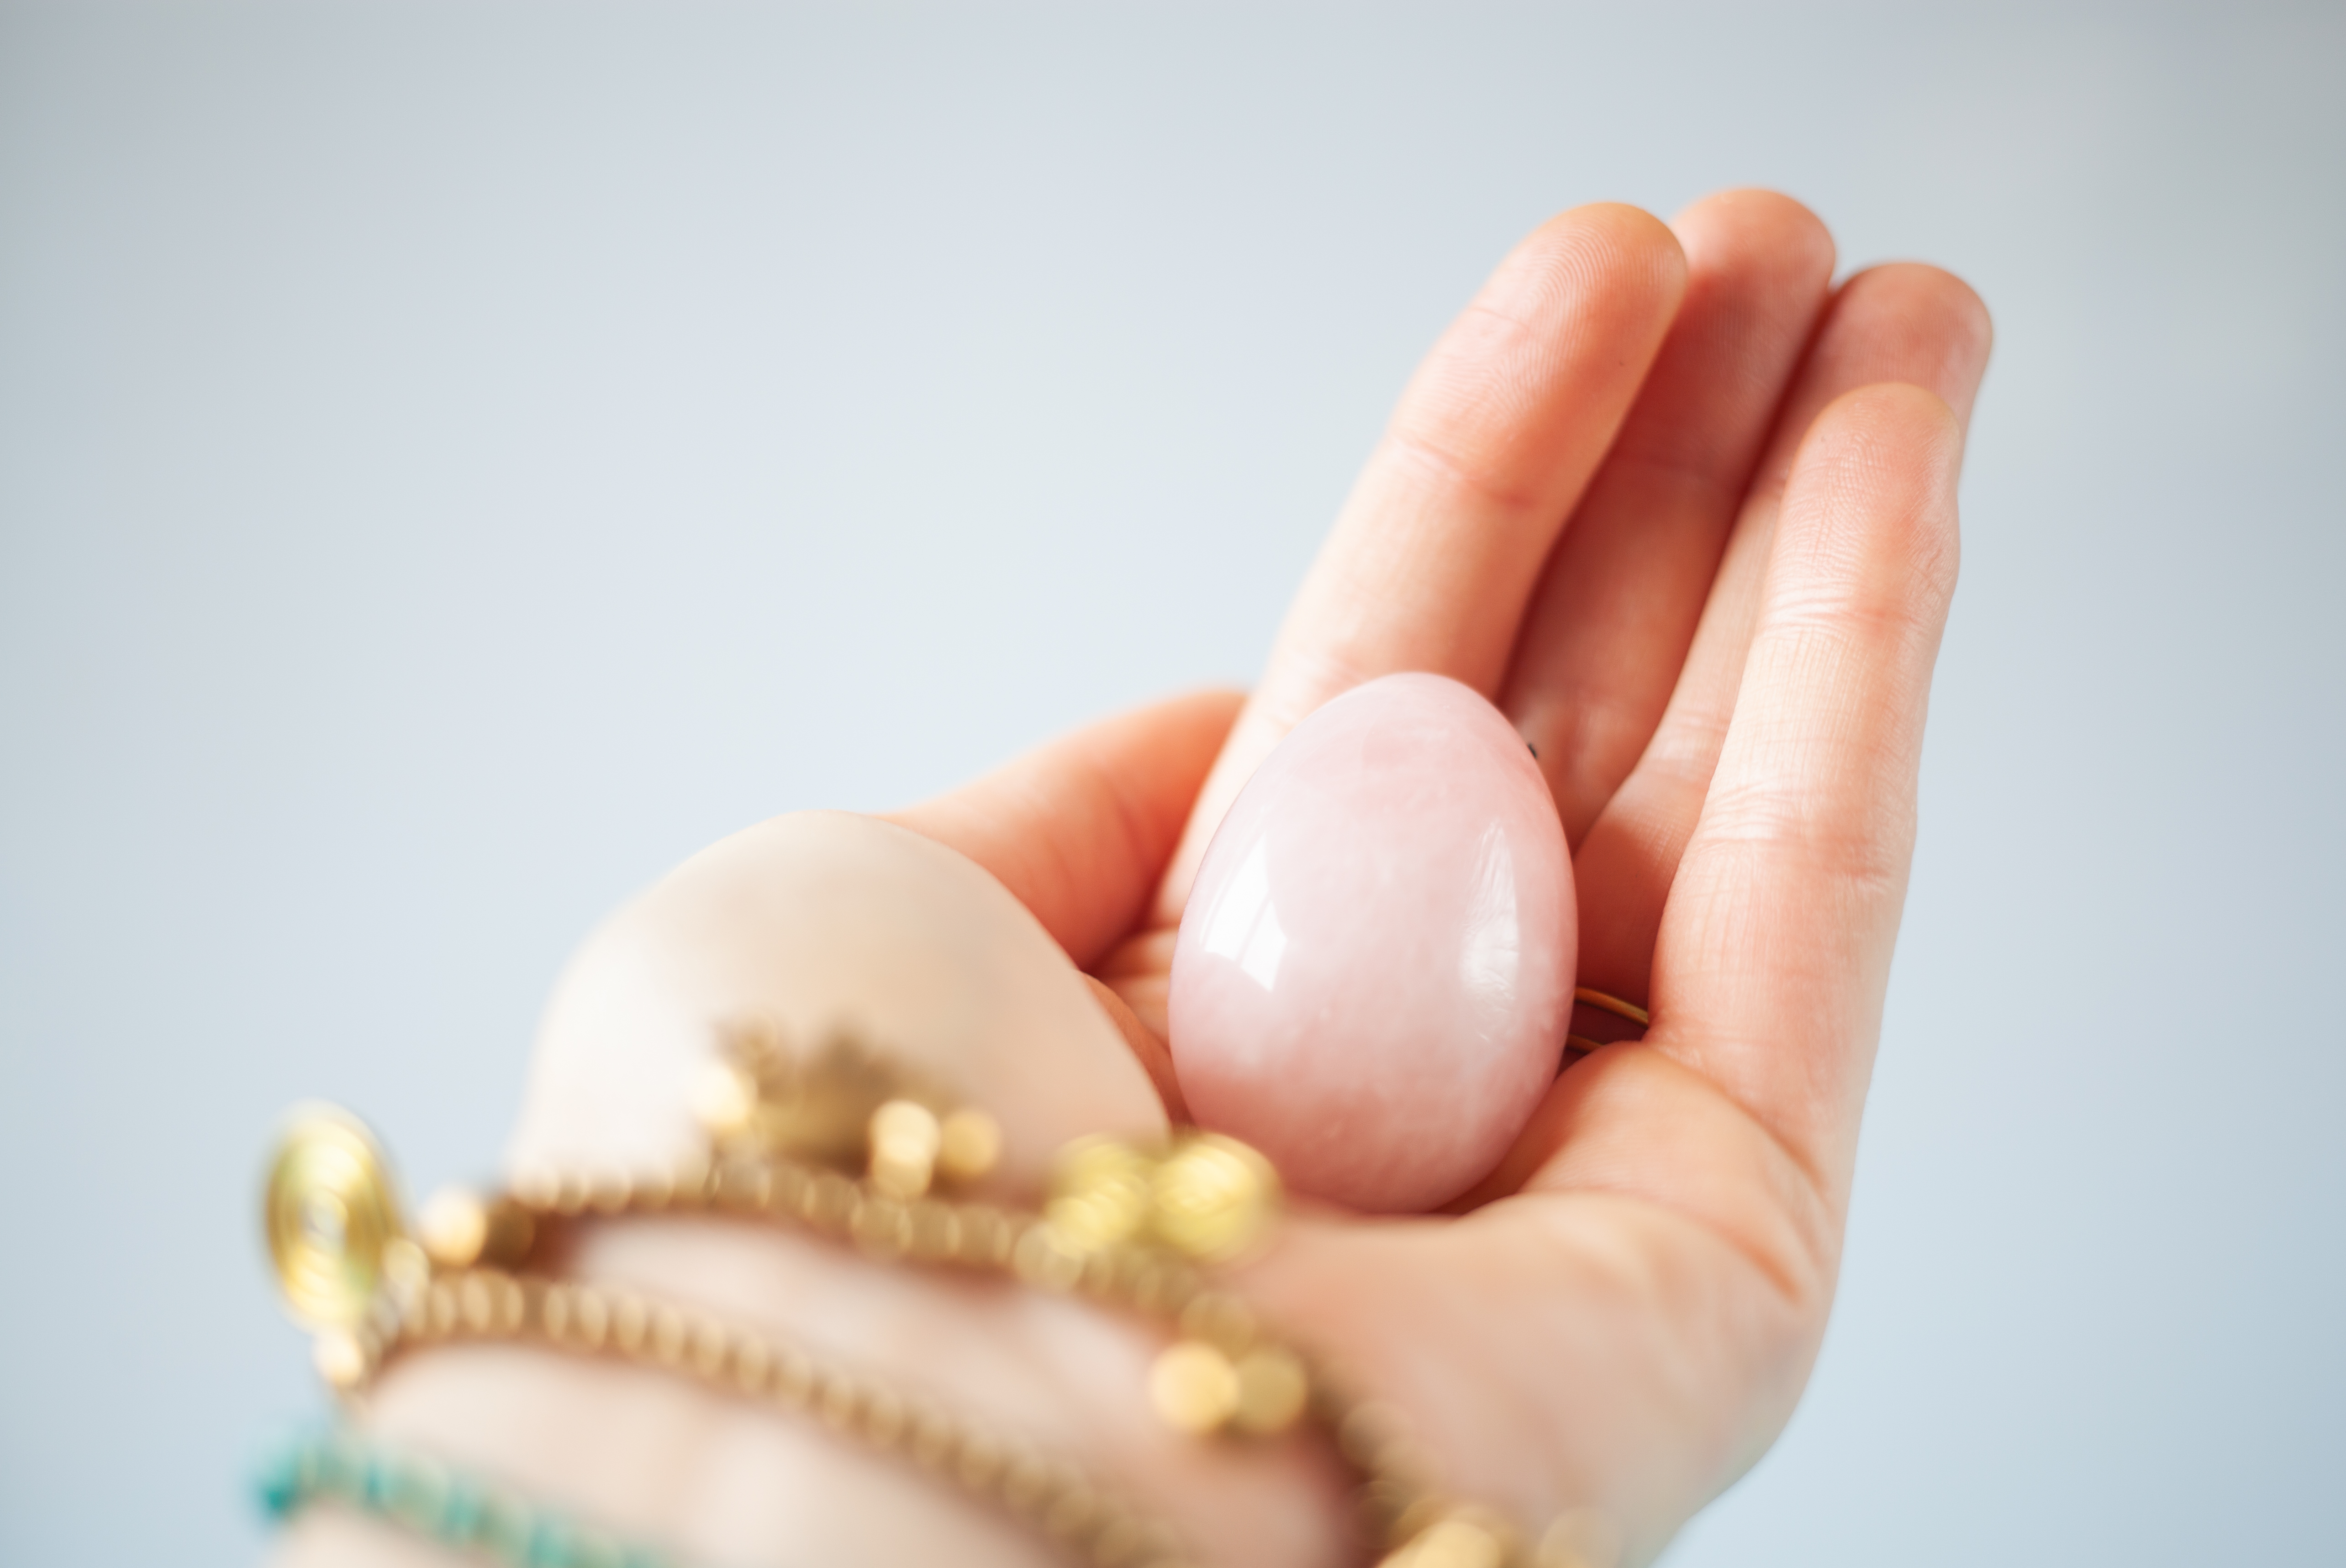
(455, 460)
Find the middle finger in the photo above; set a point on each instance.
(1438, 548)
(1617, 605)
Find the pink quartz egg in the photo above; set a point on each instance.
(1375, 971)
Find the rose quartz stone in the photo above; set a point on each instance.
(1375, 971)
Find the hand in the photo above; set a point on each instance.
(1689, 515)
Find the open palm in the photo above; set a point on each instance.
(1686, 512)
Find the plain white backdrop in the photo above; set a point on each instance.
(456, 460)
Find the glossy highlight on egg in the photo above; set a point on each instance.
(1375, 970)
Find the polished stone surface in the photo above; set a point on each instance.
(1375, 970)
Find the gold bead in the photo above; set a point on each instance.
(752, 1037)
(342, 1359)
(903, 1138)
(591, 1310)
(557, 1311)
(1165, 1287)
(934, 1436)
(1100, 1273)
(753, 1362)
(655, 1190)
(1272, 1391)
(837, 1399)
(792, 1183)
(1099, 1194)
(970, 1143)
(987, 1236)
(821, 1109)
(831, 1201)
(570, 1191)
(880, 1227)
(1119, 1541)
(535, 1186)
(884, 1418)
(453, 1226)
(725, 1099)
(1368, 1434)
(1453, 1543)
(1193, 1387)
(667, 1336)
(1581, 1538)
(934, 1231)
(1073, 1513)
(1213, 1197)
(509, 1304)
(979, 1463)
(329, 1212)
(629, 1318)
(1159, 1548)
(512, 1232)
(794, 1377)
(473, 1305)
(1419, 1512)
(1381, 1503)
(1041, 1259)
(1220, 1319)
(1114, 1274)
(688, 1182)
(406, 1270)
(1026, 1481)
(610, 1191)
(744, 1187)
(710, 1345)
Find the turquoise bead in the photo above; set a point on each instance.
(447, 1507)
(279, 1484)
(460, 1520)
(551, 1544)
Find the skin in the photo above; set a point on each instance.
(1686, 512)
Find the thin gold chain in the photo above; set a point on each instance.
(1398, 1500)
(1049, 1493)
(1126, 1227)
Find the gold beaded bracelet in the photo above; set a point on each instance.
(372, 1292)
(1038, 1489)
(851, 1147)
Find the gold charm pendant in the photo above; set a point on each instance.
(336, 1237)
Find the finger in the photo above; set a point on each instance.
(808, 927)
(1438, 547)
(1900, 323)
(1617, 605)
(1775, 949)
(1710, 1164)
(1079, 830)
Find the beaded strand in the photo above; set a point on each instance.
(440, 1504)
(1124, 1226)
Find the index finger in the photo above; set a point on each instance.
(1438, 547)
